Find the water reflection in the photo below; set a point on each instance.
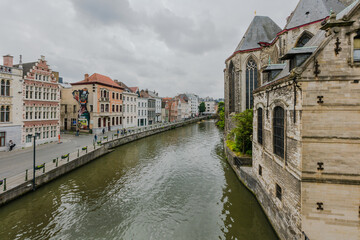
(175, 185)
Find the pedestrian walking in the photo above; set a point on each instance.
(117, 132)
(103, 131)
(11, 145)
(95, 137)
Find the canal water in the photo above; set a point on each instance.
(174, 185)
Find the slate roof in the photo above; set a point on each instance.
(308, 11)
(261, 29)
(271, 67)
(98, 79)
(26, 67)
(347, 10)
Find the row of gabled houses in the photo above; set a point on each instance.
(35, 100)
(302, 83)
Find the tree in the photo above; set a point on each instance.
(202, 107)
(221, 115)
(243, 131)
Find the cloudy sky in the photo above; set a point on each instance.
(171, 46)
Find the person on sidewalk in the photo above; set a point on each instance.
(103, 131)
(11, 145)
(95, 138)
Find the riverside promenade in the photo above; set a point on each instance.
(58, 159)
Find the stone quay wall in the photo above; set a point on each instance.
(245, 174)
(18, 187)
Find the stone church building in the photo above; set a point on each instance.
(303, 83)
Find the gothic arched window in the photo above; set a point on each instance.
(278, 131)
(303, 39)
(231, 88)
(251, 81)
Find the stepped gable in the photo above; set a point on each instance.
(308, 11)
(97, 78)
(261, 29)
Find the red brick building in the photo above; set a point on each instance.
(41, 102)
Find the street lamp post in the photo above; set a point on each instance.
(34, 157)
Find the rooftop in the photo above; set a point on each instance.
(261, 29)
(97, 78)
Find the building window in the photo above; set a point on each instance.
(113, 95)
(117, 120)
(2, 139)
(102, 107)
(74, 109)
(2, 87)
(278, 131)
(260, 170)
(278, 192)
(113, 121)
(107, 108)
(117, 108)
(113, 109)
(5, 114)
(251, 81)
(91, 108)
(99, 122)
(260, 126)
(357, 48)
(304, 39)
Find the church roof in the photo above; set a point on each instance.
(308, 11)
(261, 29)
(347, 10)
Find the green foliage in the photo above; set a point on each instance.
(232, 146)
(221, 107)
(202, 107)
(221, 114)
(242, 133)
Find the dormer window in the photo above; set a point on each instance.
(357, 48)
(272, 71)
(297, 56)
(304, 39)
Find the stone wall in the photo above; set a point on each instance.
(280, 219)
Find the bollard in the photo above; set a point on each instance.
(78, 152)
(26, 175)
(94, 145)
(44, 168)
(4, 184)
(57, 161)
(112, 136)
(86, 149)
(68, 157)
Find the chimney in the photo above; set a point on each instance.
(8, 60)
(86, 77)
(42, 57)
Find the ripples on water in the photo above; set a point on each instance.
(174, 185)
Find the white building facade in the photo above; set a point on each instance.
(210, 107)
(130, 102)
(194, 103)
(10, 103)
(142, 119)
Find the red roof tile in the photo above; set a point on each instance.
(98, 79)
